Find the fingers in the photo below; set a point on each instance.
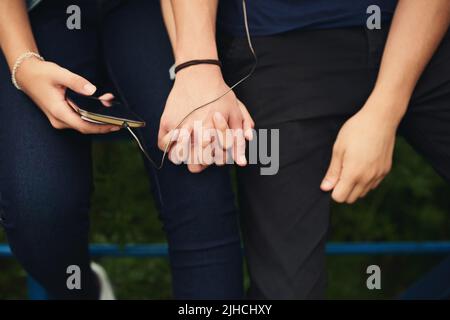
(239, 148)
(221, 156)
(366, 190)
(165, 141)
(356, 193)
(64, 117)
(195, 152)
(205, 136)
(248, 122)
(221, 125)
(372, 186)
(181, 150)
(376, 183)
(207, 157)
(352, 187)
(75, 82)
(107, 99)
(350, 178)
(236, 123)
(343, 188)
(210, 144)
(334, 171)
(194, 166)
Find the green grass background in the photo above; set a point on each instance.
(413, 204)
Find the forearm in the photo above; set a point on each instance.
(169, 21)
(16, 36)
(195, 28)
(416, 31)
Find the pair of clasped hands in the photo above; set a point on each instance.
(362, 153)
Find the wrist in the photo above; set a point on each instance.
(28, 71)
(197, 62)
(23, 62)
(399, 95)
(209, 72)
(388, 108)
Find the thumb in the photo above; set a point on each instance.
(75, 82)
(333, 173)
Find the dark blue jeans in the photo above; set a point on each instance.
(46, 174)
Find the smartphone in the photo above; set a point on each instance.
(103, 111)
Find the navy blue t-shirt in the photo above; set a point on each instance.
(267, 17)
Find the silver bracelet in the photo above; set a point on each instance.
(18, 63)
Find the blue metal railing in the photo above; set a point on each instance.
(160, 250)
(334, 248)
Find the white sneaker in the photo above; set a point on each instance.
(106, 290)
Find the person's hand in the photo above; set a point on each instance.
(193, 87)
(362, 153)
(45, 83)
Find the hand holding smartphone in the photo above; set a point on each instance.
(103, 110)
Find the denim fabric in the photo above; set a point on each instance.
(46, 175)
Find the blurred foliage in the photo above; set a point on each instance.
(412, 204)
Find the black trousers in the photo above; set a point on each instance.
(307, 84)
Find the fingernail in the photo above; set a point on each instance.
(242, 160)
(326, 184)
(114, 129)
(89, 89)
